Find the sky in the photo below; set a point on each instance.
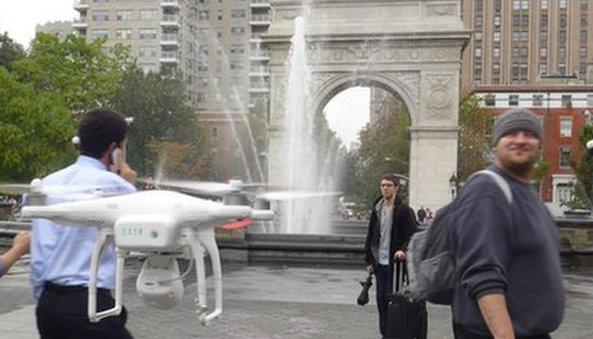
(19, 17)
(346, 113)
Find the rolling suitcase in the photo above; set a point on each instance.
(407, 318)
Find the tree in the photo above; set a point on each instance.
(158, 104)
(384, 148)
(9, 51)
(474, 144)
(36, 128)
(81, 73)
(584, 167)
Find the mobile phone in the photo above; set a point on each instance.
(115, 159)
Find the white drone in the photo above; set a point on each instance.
(160, 224)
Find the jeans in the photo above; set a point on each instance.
(384, 283)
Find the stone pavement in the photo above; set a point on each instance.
(275, 302)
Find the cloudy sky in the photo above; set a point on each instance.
(346, 113)
(19, 17)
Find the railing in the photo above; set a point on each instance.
(169, 18)
(169, 54)
(169, 37)
(260, 17)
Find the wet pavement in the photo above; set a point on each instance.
(271, 301)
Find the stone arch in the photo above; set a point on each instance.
(336, 84)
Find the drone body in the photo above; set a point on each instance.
(156, 223)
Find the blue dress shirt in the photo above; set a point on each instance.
(62, 254)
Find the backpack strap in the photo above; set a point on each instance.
(500, 182)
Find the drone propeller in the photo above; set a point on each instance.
(295, 195)
(205, 188)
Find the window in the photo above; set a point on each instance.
(147, 34)
(237, 64)
(516, 4)
(479, 21)
(566, 100)
(562, 68)
(237, 49)
(589, 100)
(490, 100)
(147, 51)
(566, 127)
(203, 15)
(543, 52)
(538, 100)
(583, 52)
(220, 15)
(238, 13)
(497, 5)
(516, 52)
(513, 100)
(478, 36)
(562, 4)
(124, 15)
(100, 34)
(564, 192)
(496, 36)
(583, 37)
(565, 157)
(562, 52)
(584, 20)
(496, 52)
(214, 132)
(100, 15)
(544, 4)
(525, 4)
(543, 68)
(148, 14)
(496, 69)
(563, 21)
(237, 30)
(584, 5)
(124, 34)
(516, 36)
(479, 5)
(497, 21)
(478, 52)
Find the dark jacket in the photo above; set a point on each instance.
(402, 229)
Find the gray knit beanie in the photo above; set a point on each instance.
(517, 119)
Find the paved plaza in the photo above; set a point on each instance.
(265, 301)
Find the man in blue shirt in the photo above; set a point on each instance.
(60, 255)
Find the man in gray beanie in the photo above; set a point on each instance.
(507, 252)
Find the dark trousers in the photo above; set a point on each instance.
(62, 314)
(384, 283)
(463, 333)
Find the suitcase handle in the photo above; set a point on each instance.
(401, 278)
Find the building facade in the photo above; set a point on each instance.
(515, 42)
(58, 28)
(564, 109)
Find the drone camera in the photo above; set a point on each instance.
(158, 283)
(137, 232)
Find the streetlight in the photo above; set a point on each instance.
(453, 185)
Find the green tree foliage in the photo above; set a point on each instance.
(584, 167)
(9, 51)
(473, 141)
(81, 73)
(36, 128)
(384, 148)
(158, 104)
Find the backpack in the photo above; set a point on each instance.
(430, 256)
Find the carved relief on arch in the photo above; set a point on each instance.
(440, 97)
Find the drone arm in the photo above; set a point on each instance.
(206, 237)
(103, 239)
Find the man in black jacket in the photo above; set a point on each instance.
(391, 225)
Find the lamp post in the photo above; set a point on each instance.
(453, 185)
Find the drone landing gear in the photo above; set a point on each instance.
(205, 239)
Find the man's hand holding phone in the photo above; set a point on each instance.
(120, 166)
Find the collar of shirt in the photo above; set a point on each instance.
(84, 160)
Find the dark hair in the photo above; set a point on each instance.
(391, 177)
(98, 129)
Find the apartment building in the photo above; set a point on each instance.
(517, 41)
(58, 28)
(259, 75)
